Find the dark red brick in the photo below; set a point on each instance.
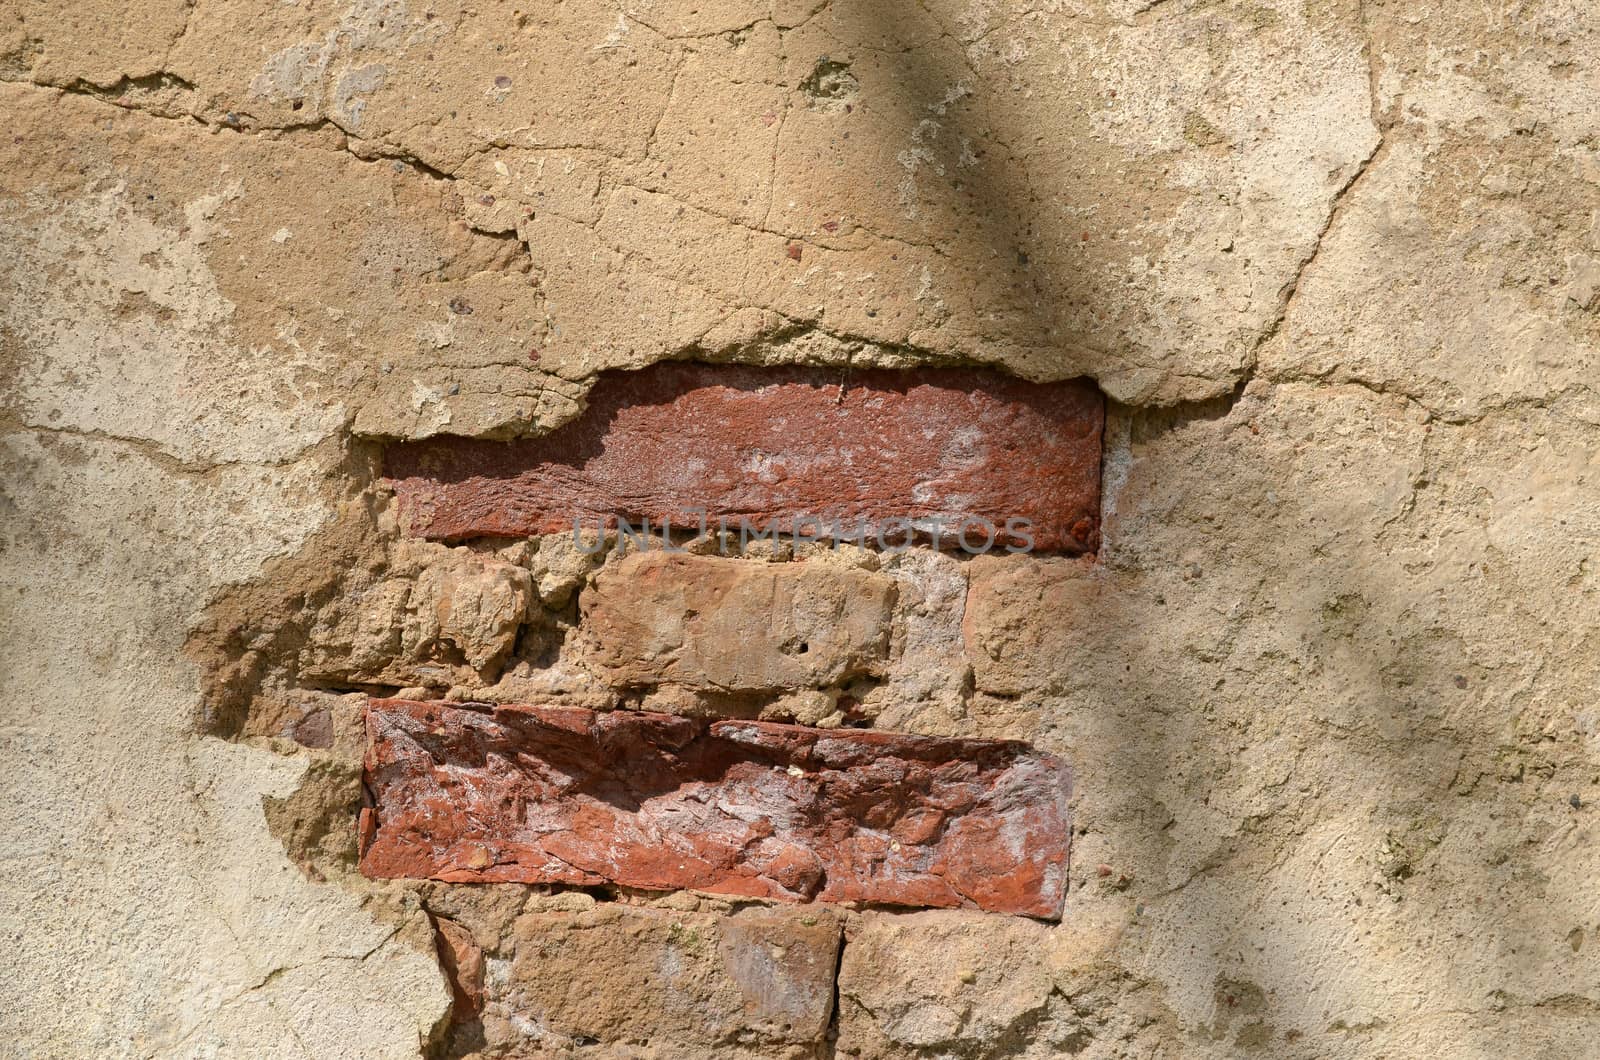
(777, 445)
(560, 795)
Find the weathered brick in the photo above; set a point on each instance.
(775, 445)
(682, 980)
(733, 625)
(563, 795)
(472, 603)
(457, 613)
(949, 983)
(461, 959)
(1025, 619)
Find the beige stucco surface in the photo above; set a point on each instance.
(1329, 691)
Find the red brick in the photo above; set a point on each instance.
(774, 446)
(463, 964)
(562, 795)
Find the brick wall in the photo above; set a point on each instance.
(729, 707)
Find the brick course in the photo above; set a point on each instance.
(773, 446)
(563, 795)
(733, 625)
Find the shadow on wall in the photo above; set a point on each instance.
(1277, 728)
(1270, 739)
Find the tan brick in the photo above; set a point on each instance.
(697, 981)
(1024, 618)
(733, 625)
(965, 984)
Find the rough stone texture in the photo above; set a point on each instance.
(561, 795)
(713, 623)
(756, 984)
(1013, 650)
(955, 984)
(989, 183)
(435, 615)
(1333, 720)
(866, 454)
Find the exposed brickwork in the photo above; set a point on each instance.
(562, 795)
(772, 445)
(734, 625)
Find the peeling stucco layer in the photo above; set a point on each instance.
(1327, 693)
(149, 910)
(1089, 191)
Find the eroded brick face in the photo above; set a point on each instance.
(461, 960)
(734, 625)
(563, 795)
(1025, 618)
(778, 448)
(763, 978)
